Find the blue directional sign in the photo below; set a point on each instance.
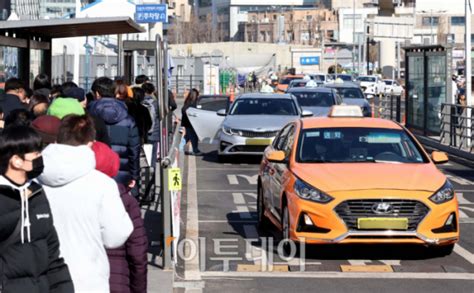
(151, 13)
(310, 60)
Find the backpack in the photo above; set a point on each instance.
(150, 104)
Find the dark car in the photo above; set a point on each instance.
(317, 100)
(352, 95)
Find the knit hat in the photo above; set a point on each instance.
(76, 93)
(65, 106)
(106, 160)
(47, 127)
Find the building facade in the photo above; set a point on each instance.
(26, 9)
(298, 26)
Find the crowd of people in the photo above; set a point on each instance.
(70, 218)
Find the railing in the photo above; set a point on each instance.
(457, 126)
(389, 107)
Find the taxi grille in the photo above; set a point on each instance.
(350, 211)
(268, 134)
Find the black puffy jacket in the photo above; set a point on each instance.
(123, 135)
(33, 266)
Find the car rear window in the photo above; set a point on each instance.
(350, 93)
(249, 106)
(314, 99)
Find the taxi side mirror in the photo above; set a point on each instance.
(276, 156)
(222, 112)
(439, 157)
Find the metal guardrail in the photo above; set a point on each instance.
(389, 107)
(457, 126)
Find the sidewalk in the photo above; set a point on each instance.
(454, 153)
(159, 281)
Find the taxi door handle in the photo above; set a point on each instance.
(271, 171)
(192, 115)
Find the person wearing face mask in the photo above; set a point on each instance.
(29, 245)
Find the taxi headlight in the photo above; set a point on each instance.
(307, 192)
(444, 194)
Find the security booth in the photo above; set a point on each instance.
(26, 45)
(428, 86)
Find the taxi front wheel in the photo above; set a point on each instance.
(290, 247)
(262, 222)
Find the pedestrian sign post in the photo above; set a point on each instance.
(174, 179)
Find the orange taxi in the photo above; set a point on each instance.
(349, 179)
(285, 81)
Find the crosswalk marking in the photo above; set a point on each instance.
(459, 180)
(243, 212)
(464, 253)
(462, 199)
(234, 179)
(238, 198)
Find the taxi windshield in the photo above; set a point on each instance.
(312, 99)
(358, 145)
(285, 107)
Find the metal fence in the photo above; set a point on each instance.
(457, 126)
(389, 107)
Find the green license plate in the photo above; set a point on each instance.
(258, 141)
(382, 223)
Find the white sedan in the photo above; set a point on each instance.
(392, 87)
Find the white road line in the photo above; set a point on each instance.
(251, 194)
(191, 267)
(229, 222)
(234, 179)
(459, 180)
(391, 262)
(464, 253)
(340, 275)
(228, 169)
(226, 191)
(462, 215)
(359, 262)
(243, 212)
(238, 198)
(255, 254)
(466, 221)
(462, 199)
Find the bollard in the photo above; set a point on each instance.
(398, 114)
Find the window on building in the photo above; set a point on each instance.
(472, 38)
(458, 20)
(113, 70)
(309, 17)
(180, 70)
(430, 20)
(151, 70)
(100, 71)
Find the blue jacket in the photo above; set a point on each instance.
(123, 133)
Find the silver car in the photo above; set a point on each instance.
(254, 120)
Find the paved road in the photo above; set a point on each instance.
(234, 259)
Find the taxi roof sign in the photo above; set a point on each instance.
(346, 111)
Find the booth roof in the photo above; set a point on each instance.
(67, 28)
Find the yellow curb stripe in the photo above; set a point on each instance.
(367, 268)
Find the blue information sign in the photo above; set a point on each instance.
(313, 60)
(151, 13)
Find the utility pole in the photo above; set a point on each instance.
(431, 24)
(468, 69)
(368, 49)
(353, 35)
